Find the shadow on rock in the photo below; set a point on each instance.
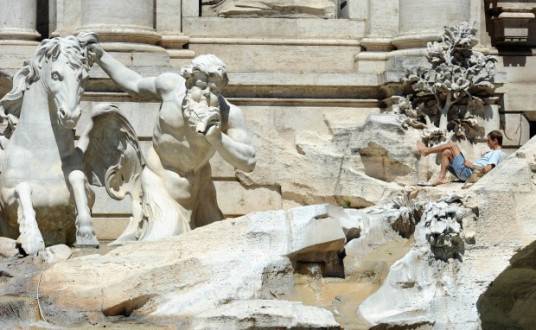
(510, 300)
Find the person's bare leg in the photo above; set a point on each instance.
(446, 158)
(423, 150)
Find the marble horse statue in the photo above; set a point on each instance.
(44, 192)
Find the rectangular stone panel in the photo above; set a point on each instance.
(303, 28)
(519, 97)
(283, 58)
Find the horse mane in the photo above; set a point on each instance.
(74, 48)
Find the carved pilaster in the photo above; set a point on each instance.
(421, 22)
(18, 21)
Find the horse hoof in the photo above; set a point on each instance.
(31, 246)
(86, 241)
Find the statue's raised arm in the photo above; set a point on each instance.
(133, 82)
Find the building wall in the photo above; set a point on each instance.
(298, 80)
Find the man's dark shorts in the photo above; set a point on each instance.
(458, 168)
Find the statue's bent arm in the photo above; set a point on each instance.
(235, 144)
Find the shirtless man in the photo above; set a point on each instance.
(195, 121)
(453, 160)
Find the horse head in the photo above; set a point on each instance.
(61, 64)
(65, 65)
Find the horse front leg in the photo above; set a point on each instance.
(30, 237)
(85, 235)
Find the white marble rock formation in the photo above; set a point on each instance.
(193, 277)
(419, 284)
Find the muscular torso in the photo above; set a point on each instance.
(177, 145)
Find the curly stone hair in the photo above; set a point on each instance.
(204, 63)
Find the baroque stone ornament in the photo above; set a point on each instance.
(175, 191)
(450, 93)
(42, 172)
(273, 8)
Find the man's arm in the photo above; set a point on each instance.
(470, 164)
(234, 145)
(487, 168)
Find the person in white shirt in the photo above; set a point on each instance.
(453, 160)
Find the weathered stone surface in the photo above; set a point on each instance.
(292, 59)
(15, 311)
(235, 199)
(511, 301)
(281, 29)
(56, 253)
(308, 140)
(367, 230)
(415, 291)
(250, 314)
(387, 149)
(8, 247)
(426, 289)
(239, 259)
(109, 228)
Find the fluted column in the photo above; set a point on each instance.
(129, 22)
(18, 21)
(423, 21)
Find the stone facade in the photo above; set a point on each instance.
(306, 84)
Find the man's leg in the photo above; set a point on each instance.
(447, 153)
(446, 159)
(453, 148)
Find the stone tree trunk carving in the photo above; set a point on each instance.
(452, 90)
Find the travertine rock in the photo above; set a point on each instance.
(56, 253)
(293, 148)
(366, 230)
(8, 247)
(273, 8)
(239, 259)
(387, 148)
(510, 302)
(421, 288)
(250, 314)
(418, 285)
